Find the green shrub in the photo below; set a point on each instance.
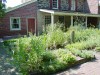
(97, 48)
(56, 26)
(8, 42)
(55, 38)
(43, 39)
(64, 55)
(77, 45)
(87, 54)
(31, 55)
(48, 56)
(27, 54)
(83, 53)
(82, 34)
(90, 43)
(57, 60)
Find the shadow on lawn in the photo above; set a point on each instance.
(5, 67)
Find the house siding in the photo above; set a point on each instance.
(85, 6)
(64, 5)
(31, 10)
(43, 4)
(47, 4)
(24, 12)
(80, 5)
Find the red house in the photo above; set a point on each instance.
(34, 15)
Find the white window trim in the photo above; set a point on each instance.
(52, 5)
(12, 29)
(73, 7)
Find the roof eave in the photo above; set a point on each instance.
(21, 5)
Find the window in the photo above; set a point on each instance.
(73, 5)
(55, 4)
(15, 23)
(47, 20)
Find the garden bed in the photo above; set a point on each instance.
(45, 62)
(53, 52)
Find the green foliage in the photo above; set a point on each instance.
(97, 48)
(48, 56)
(57, 60)
(83, 34)
(87, 54)
(9, 42)
(84, 39)
(2, 10)
(29, 56)
(83, 53)
(91, 43)
(43, 39)
(56, 38)
(78, 45)
(32, 55)
(55, 27)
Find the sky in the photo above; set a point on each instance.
(12, 3)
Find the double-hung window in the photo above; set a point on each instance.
(15, 23)
(55, 4)
(47, 20)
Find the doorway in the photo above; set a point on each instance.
(31, 25)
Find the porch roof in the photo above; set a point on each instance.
(56, 12)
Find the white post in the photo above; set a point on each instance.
(72, 21)
(52, 21)
(86, 22)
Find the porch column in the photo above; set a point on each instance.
(86, 21)
(52, 21)
(72, 21)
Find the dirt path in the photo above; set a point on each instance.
(89, 68)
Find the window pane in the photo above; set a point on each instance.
(47, 20)
(55, 3)
(15, 22)
(15, 26)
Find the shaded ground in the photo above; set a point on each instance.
(5, 67)
(89, 68)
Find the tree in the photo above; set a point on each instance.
(2, 8)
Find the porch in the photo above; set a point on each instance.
(68, 18)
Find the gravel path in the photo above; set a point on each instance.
(89, 68)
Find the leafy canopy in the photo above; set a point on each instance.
(2, 8)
